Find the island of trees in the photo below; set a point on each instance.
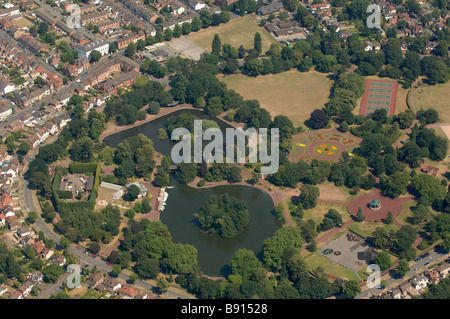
(223, 215)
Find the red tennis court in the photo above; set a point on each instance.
(379, 95)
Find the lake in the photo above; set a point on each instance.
(214, 253)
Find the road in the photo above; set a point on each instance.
(69, 87)
(57, 14)
(416, 268)
(52, 289)
(77, 250)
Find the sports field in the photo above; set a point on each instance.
(379, 95)
(292, 93)
(237, 31)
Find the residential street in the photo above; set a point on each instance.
(416, 268)
(77, 251)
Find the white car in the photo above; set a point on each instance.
(28, 210)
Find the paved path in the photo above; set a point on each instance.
(410, 97)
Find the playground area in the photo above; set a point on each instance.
(323, 144)
(379, 95)
(350, 251)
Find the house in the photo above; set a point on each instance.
(99, 101)
(46, 253)
(108, 26)
(273, 7)
(36, 277)
(34, 141)
(6, 199)
(396, 294)
(5, 112)
(127, 292)
(93, 18)
(2, 220)
(413, 292)
(63, 98)
(59, 260)
(51, 127)
(443, 269)
(25, 288)
(28, 240)
(3, 289)
(368, 46)
(43, 134)
(141, 295)
(61, 120)
(85, 50)
(16, 295)
(196, 4)
(13, 222)
(405, 288)
(123, 81)
(432, 275)
(111, 284)
(26, 118)
(38, 246)
(142, 189)
(24, 231)
(94, 280)
(419, 282)
(90, 183)
(14, 126)
(55, 104)
(6, 86)
(431, 170)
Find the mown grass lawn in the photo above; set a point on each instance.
(436, 97)
(291, 93)
(237, 31)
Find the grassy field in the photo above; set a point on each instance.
(240, 30)
(316, 260)
(367, 228)
(436, 97)
(317, 213)
(406, 212)
(292, 93)
(24, 23)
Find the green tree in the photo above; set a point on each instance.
(129, 51)
(132, 193)
(403, 267)
(351, 288)
(383, 260)
(308, 196)
(52, 273)
(257, 45)
(360, 216)
(216, 45)
(244, 263)
(116, 270)
(273, 247)
(427, 188)
(95, 56)
(147, 268)
(162, 284)
(186, 172)
(181, 258)
(223, 215)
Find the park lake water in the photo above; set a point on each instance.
(214, 252)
